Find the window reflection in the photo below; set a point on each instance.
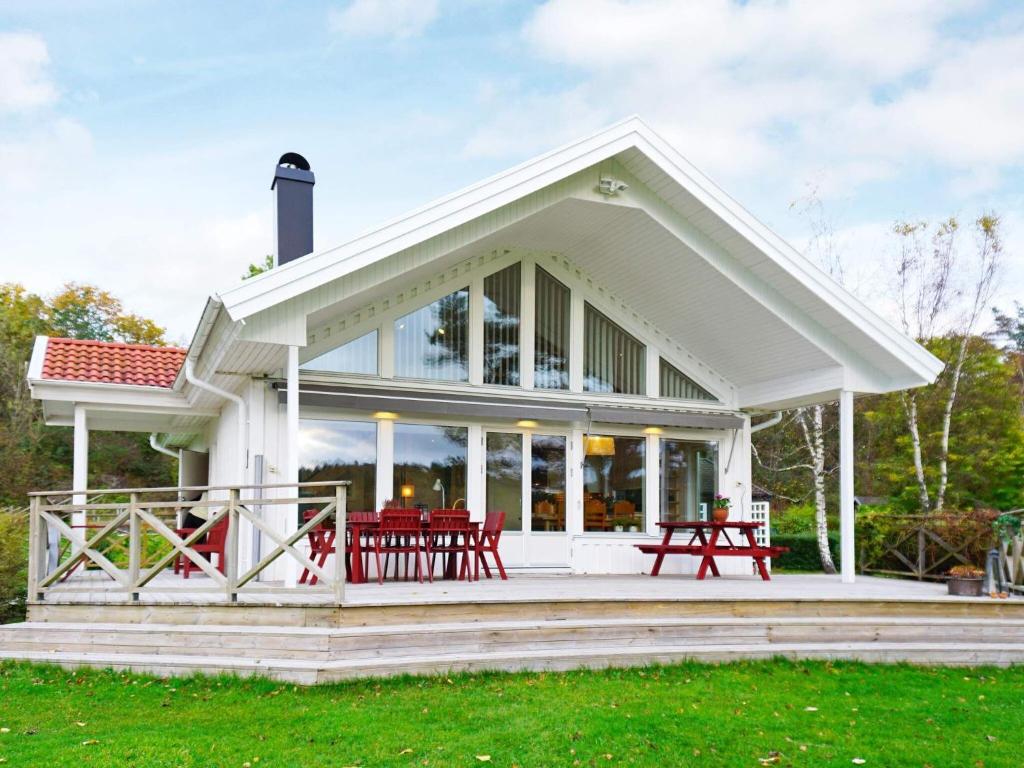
(613, 361)
(427, 456)
(433, 341)
(357, 356)
(547, 483)
(501, 326)
(689, 472)
(340, 450)
(551, 339)
(504, 466)
(613, 483)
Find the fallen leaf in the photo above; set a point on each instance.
(858, 761)
(89, 742)
(80, 724)
(5, 730)
(405, 751)
(991, 738)
(484, 758)
(810, 709)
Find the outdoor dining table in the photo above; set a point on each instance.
(706, 540)
(357, 529)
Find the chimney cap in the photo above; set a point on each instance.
(294, 167)
(294, 160)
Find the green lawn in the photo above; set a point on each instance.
(746, 714)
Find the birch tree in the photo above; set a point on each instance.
(939, 291)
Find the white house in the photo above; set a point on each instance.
(582, 341)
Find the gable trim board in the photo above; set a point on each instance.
(909, 362)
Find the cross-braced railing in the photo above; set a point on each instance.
(242, 539)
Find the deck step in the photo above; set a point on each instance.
(309, 672)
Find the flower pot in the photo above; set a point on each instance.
(720, 514)
(634, 529)
(618, 529)
(965, 587)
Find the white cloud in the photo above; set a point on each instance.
(748, 90)
(25, 82)
(398, 19)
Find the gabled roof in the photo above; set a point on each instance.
(111, 362)
(795, 291)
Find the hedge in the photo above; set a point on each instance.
(803, 551)
(13, 564)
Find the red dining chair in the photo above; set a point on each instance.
(216, 538)
(490, 534)
(448, 535)
(400, 532)
(367, 519)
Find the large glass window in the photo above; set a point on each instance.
(689, 479)
(504, 470)
(613, 361)
(501, 326)
(547, 483)
(676, 384)
(613, 483)
(433, 341)
(551, 338)
(357, 356)
(430, 466)
(340, 450)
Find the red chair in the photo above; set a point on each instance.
(366, 519)
(216, 538)
(400, 533)
(490, 534)
(448, 536)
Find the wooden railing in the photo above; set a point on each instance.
(127, 541)
(923, 546)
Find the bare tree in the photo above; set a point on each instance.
(939, 291)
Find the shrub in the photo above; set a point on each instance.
(13, 564)
(798, 519)
(803, 551)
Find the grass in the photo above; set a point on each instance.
(744, 714)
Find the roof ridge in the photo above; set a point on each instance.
(121, 344)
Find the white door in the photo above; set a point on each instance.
(524, 476)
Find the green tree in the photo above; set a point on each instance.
(259, 268)
(33, 455)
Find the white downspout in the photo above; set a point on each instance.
(766, 423)
(243, 417)
(161, 449)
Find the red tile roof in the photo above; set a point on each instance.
(112, 362)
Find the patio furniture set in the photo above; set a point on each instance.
(398, 533)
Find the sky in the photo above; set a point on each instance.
(138, 140)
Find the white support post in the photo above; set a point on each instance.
(476, 330)
(652, 488)
(385, 461)
(846, 485)
(577, 336)
(292, 457)
(80, 468)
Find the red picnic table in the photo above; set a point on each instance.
(710, 547)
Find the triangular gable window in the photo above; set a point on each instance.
(679, 386)
(357, 356)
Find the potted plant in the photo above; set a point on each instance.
(720, 508)
(620, 524)
(634, 528)
(965, 580)
(1006, 527)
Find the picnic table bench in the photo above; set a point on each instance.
(710, 547)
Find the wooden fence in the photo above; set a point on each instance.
(131, 539)
(925, 547)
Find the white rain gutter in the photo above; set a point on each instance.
(160, 448)
(767, 423)
(243, 418)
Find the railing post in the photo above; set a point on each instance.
(921, 558)
(134, 544)
(231, 547)
(36, 555)
(340, 539)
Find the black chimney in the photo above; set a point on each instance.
(293, 182)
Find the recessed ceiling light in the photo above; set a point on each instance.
(528, 423)
(386, 415)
